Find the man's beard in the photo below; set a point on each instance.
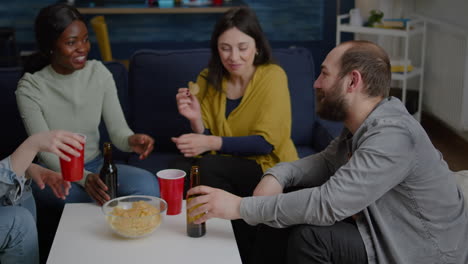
(333, 106)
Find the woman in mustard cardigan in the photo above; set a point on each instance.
(241, 115)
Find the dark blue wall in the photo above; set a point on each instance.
(309, 23)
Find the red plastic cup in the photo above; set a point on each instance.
(171, 185)
(73, 170)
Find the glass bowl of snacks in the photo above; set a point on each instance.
(135, 216)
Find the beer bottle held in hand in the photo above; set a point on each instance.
(194, 230)
(108, 172)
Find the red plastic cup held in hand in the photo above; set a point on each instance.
(73, 170)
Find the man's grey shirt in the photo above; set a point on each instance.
(409, 207)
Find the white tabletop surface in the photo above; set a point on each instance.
(83, 236)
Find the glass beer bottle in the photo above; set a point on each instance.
(194, 230)
(108, 172)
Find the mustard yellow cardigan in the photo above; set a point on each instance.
(265, 110)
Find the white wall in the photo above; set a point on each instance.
(453, 12)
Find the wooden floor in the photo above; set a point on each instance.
(453, 147)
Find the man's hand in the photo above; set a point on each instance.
(193, 144)
(141, 144)
(268, 186)
(214, 203)
(44, 176)
(96, 189)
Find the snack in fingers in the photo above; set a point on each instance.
(193, 88)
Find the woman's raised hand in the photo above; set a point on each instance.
(141, 144)
(188, 104)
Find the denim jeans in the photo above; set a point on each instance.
(18, 234)
(132, 181)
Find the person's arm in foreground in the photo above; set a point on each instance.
(377, 166)
(222, 204)
(54, 142)
(310, 171)
(34, 121)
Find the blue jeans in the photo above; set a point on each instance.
(18, 234)
(132, 181)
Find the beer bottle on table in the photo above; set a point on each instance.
(108, 172)
(194, 230)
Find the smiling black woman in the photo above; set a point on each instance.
(61, 89)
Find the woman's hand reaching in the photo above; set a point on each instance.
(141, 144)
(58, 142)
(54, 180)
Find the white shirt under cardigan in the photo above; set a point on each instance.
(409, 205)
(75, 102)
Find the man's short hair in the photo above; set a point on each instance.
(372, 62)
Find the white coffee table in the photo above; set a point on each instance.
(83, 236)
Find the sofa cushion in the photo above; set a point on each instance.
(299, 67)
(120, 74)
(13, 132)
(154, 78)
(170, 70)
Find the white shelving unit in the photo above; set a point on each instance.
(413, 28)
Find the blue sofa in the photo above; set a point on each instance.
(12, 132)
(155, 76)
(147, 95)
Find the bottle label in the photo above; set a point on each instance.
(191, 219)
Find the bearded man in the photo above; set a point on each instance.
(379, 193)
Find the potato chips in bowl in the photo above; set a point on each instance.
(135, 216)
